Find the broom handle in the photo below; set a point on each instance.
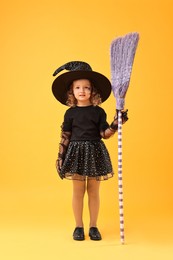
(120, 179)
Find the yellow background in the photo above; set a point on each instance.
(36, 219)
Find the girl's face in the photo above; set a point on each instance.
(82, 91)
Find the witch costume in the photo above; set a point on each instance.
(82, 154)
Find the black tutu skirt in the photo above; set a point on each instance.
(87, 160)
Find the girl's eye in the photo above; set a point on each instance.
(78, 87)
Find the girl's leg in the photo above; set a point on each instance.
(79, 188)
(93, 201)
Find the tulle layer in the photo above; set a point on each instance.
(87, 159)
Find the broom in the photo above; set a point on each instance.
(123, 51)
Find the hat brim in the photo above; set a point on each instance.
(62, 83)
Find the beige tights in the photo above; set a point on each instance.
(79, 189)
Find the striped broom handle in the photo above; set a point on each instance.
(120, 179)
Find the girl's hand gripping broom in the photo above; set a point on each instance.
(122, 56)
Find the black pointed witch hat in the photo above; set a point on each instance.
(79, 70)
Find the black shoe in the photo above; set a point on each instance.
(94, 234)
(78, 234)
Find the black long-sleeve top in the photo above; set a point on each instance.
(85, 123)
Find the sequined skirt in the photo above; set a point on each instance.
(87, 159)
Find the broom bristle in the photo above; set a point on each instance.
(122, 56)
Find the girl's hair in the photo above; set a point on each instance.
(95, 97)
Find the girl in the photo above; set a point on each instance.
(83, 157)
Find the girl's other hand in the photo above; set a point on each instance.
(58, 165)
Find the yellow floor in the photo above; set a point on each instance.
(51, 244)
(37, 224)
(48, 239)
